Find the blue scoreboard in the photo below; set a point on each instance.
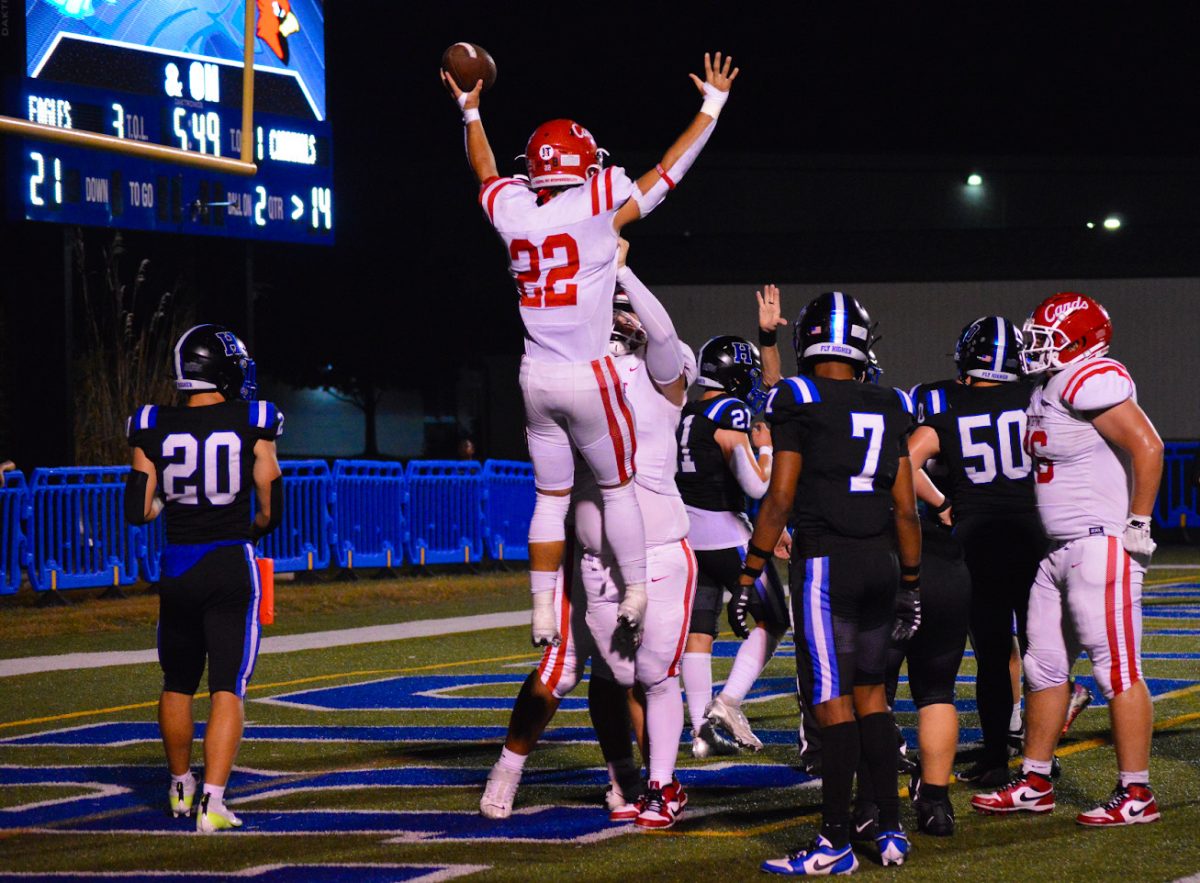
(170, 73)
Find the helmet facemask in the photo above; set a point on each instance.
(628, 336)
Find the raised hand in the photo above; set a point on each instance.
(770, 308)
(717, 75)
(465, 100)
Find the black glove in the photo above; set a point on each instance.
(908, 610)
(736, 609)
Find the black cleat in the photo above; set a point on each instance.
(935, 817)
(984, 775)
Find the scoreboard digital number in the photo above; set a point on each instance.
(165, 73)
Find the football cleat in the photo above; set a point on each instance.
(621, 809)
(984, 775)
(661, 806)
(1081, 698)
(819, 859)
(893, 847)
(211, 818)
(935, 817)
(179, 799)
(499, 793)
(864, 827)
(1028, 792)
(1128, 805)
(708, 742)
(730, 718)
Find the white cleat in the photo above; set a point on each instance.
(730, 718)
(212, 818)
(180, 799)
(709, 743)
(499, 793)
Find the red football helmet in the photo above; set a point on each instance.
(561, 153)
(1066, 323)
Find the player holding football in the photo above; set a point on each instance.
(842, 472)
(1098, 462)
(656, 368)
(207, 458)
(560, 228)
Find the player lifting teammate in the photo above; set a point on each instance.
(1098, 462)
(560, 228)
(842, 472)
(205, 459)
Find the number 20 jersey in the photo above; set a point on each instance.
(204, 459)
(562, 256)
(851, 437)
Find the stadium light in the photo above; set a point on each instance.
(974, 179)
(1091, 225)
(1112, 222)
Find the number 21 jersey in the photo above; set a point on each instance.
(204, 459)
(562, 256)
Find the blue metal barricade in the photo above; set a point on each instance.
(14, 515)
(369, 513)
(445, 511)
(305, 535)
(1178, 498)
(509, 498)
(77, 529)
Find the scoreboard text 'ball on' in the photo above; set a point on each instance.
(468, 63)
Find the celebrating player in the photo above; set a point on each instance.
(657, 368)
(206, 458)
(561, 228)
(842, 472)
(1098, 462)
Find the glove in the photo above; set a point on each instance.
(739, 603)
(545, 623)
(632, 613)
(908, 610)
(1137, 536)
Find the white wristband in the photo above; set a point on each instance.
(714, 100)
(766, 449)
(1143, 518)
(471, 115)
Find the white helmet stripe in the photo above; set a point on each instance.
(1001, 336)
(838, 320)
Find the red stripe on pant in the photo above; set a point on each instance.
(614, 431)
(625, 412)
(689, 595)
(1131, 649)
(1110, 616)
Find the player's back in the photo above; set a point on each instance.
(981, 431)
(850, 437)
(1083, 483)
(204, 461)
(561, 254)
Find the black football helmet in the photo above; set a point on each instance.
(733, 364)
(874, 370)
(833, 327)
(213, 358)
(990, 349)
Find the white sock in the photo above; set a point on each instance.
(752, 657)
(1041, 767)
(625, 532)
(1014, 720)
(187, 780)
(1140, 777)
(697, 684)
(664, 723)
(216, 795)
(511, 761)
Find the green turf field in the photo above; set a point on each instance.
(87, 798)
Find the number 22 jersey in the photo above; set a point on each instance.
(204, 460)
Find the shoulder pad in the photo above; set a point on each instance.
(494, 193)
(609, 189)
(728, 413)
(929, 401)
(267, 419)
(798, 390)
(144, 417)
(1100, 383)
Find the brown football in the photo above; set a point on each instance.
(468, 63)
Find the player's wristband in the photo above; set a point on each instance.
(764, 554)
(714, 100)
(1139, 520)
(938, 510)
(767, 338)
(766, 449)
(911, 585)
(910, 570)
(470, 115)
(753, 572)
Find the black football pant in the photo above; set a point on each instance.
(719, 570)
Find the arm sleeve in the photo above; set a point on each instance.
(648, 201)
(1099, 386)
(663, 358)
(690, 369)
(266, 421)
(746, 473)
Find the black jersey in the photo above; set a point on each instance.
(980, 432)
(704, 479)
(204, 458)
(851, 437)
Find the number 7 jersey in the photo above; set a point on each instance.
(204, 460)
(562, 256)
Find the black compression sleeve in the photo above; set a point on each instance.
(135, 496)
(276, 515)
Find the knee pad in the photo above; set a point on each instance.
(548, 524)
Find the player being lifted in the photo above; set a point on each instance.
(718, 470)
(657, 367)
(1097, 463)
(842, 472)
(560, 228)
(205, 459)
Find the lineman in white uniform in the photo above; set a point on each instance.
(1098, 465)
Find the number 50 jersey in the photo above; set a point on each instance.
(204, 458)
(850, 437)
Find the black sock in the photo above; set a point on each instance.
(882, 756)
(864, 790)
(839, 760)
(933, 793)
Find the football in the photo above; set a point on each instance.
(469, 63)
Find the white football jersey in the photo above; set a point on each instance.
(562, 255)
(1083, 482)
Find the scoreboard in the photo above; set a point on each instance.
(168, 73)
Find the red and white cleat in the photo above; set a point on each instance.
(1029, 792)
(1081, 698)
(1131, 805)
(621, 809)
(661, 806)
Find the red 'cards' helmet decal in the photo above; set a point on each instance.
(1065, 327)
